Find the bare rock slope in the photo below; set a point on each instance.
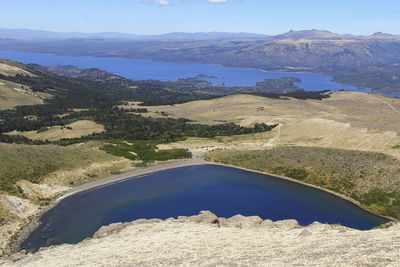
(207, 240)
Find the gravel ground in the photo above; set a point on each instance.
(185, 242)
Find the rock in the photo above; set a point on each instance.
(342, 231)
(116, 227)
(287, 224)
(153, 220)
(305, 232)
(30, 259)
(268, 223)
(223, 222)
(139, 221)
(183, 218)
(240, 221)
(108, 229)
(18, 256)
(205, 216)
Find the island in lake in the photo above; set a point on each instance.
(91, 157)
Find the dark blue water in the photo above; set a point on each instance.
(188, 190)
(164, 71)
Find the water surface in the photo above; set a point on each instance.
(146, 69)
(186, 191)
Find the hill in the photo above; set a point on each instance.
(315, 51)
(14, 94)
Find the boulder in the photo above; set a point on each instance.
(223, 222)
(18, 256)
(108, 229)
(305, 232)
(268, 223)
(205, 216)
(143, 221)
(240, 221)
(287, 224)
(182, 218)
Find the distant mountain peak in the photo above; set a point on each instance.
(310, 34)
(382, 34)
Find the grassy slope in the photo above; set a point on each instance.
(371, 178)
(72, 130)
(14, 94)
(33, 163)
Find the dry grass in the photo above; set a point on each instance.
(8, 68)
(78, 129)
(346, 120)
(198, 146)
(14, 94)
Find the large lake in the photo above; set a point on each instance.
(145, 69)
(188, 190)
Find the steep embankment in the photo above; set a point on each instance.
(31, 176)
(205, 240)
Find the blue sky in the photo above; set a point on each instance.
(162, 16)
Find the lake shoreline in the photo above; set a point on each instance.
(285, 71)
(349, 199)
(15, 245)
(24, 232)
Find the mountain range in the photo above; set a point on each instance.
(370, 61)
(27, 34)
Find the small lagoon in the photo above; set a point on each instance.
(186, 191)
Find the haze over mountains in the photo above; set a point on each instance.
(300, 50)
(373, 61)
(27, 34)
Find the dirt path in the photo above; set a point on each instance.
(275, 140)
(389, 105)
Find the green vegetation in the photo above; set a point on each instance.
(368, 177)
(143, 151)
(34, 162)
(299, 94)
(381, 78)
(6, 216)
(99, 98)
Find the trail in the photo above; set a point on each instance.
(275, 140)
(389, 105)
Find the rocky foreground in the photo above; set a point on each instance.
(207, 240)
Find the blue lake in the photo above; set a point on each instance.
(188, 190)
(146, 69)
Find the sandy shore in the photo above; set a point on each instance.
(191, 162)
(35, 222)
(26, 230)
(132, 174)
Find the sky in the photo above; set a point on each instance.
(163, 16)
